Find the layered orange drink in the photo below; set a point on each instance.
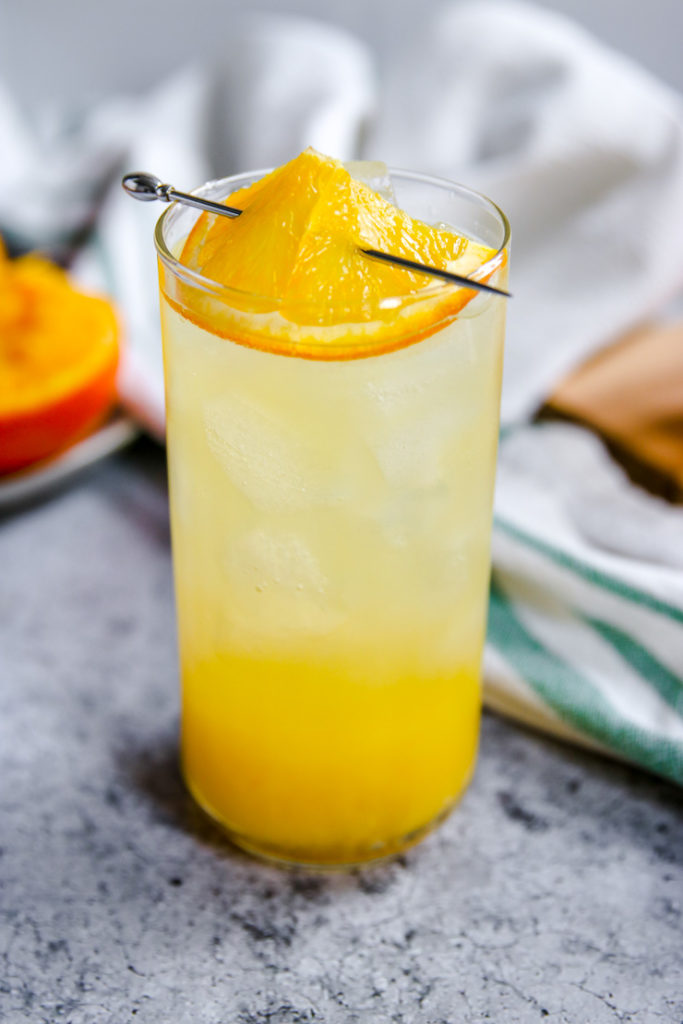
(332, 429)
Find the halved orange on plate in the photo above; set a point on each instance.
(59, 354)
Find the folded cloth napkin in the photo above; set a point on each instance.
(584, 151)
(586, 610)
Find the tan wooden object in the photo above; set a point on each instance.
(632, 396)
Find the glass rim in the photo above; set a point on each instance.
(218, 290)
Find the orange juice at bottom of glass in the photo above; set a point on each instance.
(330, 523)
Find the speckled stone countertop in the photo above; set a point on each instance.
(555, 891)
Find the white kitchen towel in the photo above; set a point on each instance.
(585, 635)
(584, 151)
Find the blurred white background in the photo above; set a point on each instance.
(78, 50)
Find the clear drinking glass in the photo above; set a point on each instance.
(331, 519)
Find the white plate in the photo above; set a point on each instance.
(48, 476)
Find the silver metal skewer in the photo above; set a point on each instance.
(424, 268)
(147, 188)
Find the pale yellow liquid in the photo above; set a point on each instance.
(331, 527)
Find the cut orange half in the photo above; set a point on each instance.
(58, 361)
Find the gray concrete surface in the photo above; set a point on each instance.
(554, 892)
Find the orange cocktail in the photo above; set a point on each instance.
(332, 428)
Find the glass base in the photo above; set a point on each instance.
(330, 860)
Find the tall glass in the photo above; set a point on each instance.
(331, 515)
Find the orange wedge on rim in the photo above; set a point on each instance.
(296, 279)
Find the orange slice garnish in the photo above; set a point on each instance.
(296, 279)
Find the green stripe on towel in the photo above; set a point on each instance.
(573, 697)
(591, 574)
(667, 684)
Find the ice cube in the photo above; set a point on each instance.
(375, 175)
(276, 560)
(263, 456)
(412, 447)
(420, 378)
(279, 586)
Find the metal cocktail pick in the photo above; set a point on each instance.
(147, 188)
